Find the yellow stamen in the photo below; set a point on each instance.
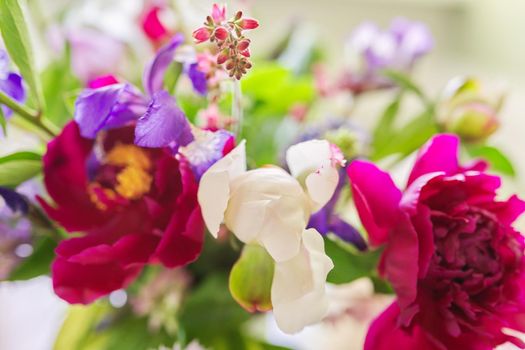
(128, 155)
(133, 182)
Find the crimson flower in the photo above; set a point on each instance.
(132, 205)
(451, 254)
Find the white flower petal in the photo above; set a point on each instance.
(214, 186)
(321, 186)
(298, 288)
(268, 206)
(307, 157)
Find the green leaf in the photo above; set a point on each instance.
(59, 84)
(18, 44)
(498, 161)
(405, 83)
(251, 279)
(172, 76)
(38, 263)
(385, 128)
(3, 121)
(100, 327)
(211, 315)
(349, 264)
(19, 167)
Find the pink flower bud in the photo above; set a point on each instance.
(248, 23)
(243, 44)
(221, 33)
(223, 56)
(201, 35)
(218, 13)
(246, 53)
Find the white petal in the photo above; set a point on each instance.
(307, 157)
(298, 288)
(214, 186)
(268, 206)
(321, 186)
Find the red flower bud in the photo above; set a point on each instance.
(248, 23)
(223, 56)
(221, 33)
(202, 34)
(246, 53)
(243, 44)
(218, 13)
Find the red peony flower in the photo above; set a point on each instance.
(133, 205)
(451, 254)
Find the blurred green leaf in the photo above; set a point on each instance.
(100, 327)
(349, 264)
(59, 84)
(405, 83)
(38, 263)
(3, 121)
(172, 76)
(251, 279)
(19, 167)
(211, 315)
(498, 161)
(18, 44)
(385, 127)
(409, 137)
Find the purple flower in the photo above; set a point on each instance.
(207, 148)
(397, 48)
(328, 221)
(10, 83)
(108, 107)
(197, 77)
(153, 77)
(14, 201)
(164, 124)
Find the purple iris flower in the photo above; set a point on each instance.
(397, 48)
(14, 200)
(328, 221)
(159, 120)
(10, 83)
(198, 78)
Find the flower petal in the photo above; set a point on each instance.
(298, 288)
(198, 78)
(153, 77)
(12, 86)
(107, 107)
(321, 186)
(214, 187)
(164, 124)
(376, 198)
(307, 157)
(439, 154)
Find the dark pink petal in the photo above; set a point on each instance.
(153, 78)
(400, 264)
(508, 211)
(101, 81)
(376, 198)
(152, 26)
(385, 334)
(439, 154)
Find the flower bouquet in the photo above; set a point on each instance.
(220, 201)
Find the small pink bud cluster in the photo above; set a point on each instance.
(227, 35)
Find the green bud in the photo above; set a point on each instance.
(251, 279)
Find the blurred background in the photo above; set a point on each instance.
(482, 38)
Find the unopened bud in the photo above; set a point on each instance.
(202, 34)
(218, 13)
(246, 53)
(223, 56)
(248, 23)
(221, 33)
(238, 16)
(243, 44)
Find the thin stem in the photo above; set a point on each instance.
(27, 114)
(237, 112)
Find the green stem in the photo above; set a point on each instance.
(237, 112)
(27, 114)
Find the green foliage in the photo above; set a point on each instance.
(19, 167)
(251, 279)
(3, 121)
(498, 161)
(59, 85)
(100, 327)
(405, 83)
(211, 315)
(349, 264)
(16, 40)
(38, 263)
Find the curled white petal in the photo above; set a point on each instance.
(268, 206)
(307, 157)
(298, 289)
(321, 186)
(214, 186)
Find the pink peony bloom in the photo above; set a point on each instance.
(451, 254)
